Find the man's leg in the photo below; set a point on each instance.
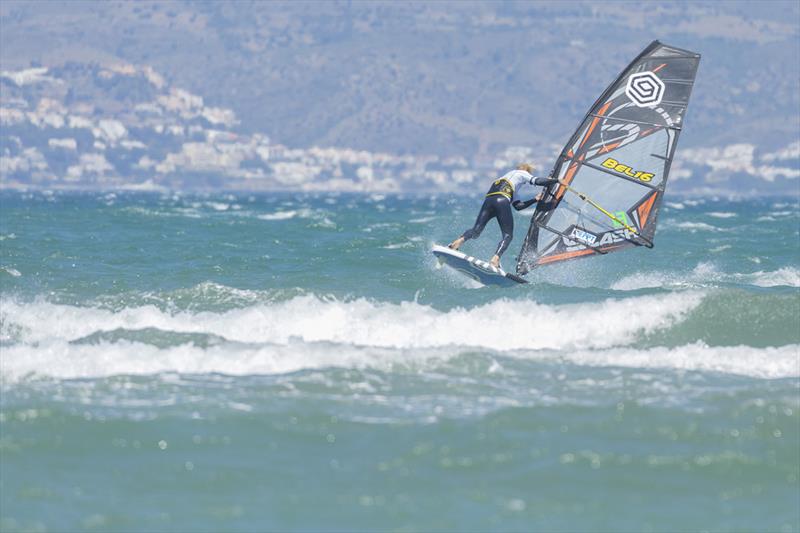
(486, 214)
(506, 220)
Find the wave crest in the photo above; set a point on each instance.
(500, 325)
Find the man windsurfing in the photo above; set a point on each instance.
(502, 195)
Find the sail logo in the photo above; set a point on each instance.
(583, 236)
(645, 89)
(622, 168)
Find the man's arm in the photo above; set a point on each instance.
(520, 205)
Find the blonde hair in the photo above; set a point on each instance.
(527, 167)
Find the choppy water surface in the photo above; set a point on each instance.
(252, 362)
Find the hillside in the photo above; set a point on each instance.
(433, 87)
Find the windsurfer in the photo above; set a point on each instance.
(502, 195)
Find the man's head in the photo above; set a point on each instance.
(527, 167)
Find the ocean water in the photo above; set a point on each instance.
(180, 362)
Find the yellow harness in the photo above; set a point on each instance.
(501, 187)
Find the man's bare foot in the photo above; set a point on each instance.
(495, 261)
(456, 244)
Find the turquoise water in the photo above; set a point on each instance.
(262, 362)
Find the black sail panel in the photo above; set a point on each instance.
(616, 164)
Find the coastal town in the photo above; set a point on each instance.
(170, 138)
(124, 126)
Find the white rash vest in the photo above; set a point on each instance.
(518, 179)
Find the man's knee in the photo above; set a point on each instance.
(472, 233)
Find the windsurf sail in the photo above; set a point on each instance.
(614, 169)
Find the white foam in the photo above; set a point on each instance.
(721, 214)
(398, 246)
(62, 360)
(766, 363)
(524, 324)
(720, 248)
(706, 274)
(694, 203)
(787, 276)
(208, 291)
(279, 215)
(218, 206)
(700, 276)
(11, 271)
(308, 332)
(319, 216)
(188, 212)
(324, 223)
(694, 227)
(643, 280)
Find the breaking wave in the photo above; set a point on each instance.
(306, 331)
(62, 360)
(706, 274)
(500, 325)
(280, 333)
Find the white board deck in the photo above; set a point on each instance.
(480, 271)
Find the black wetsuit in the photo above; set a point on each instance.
(498, 205)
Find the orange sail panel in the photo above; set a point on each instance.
(644, 209)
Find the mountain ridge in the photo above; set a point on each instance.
(426, 80)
